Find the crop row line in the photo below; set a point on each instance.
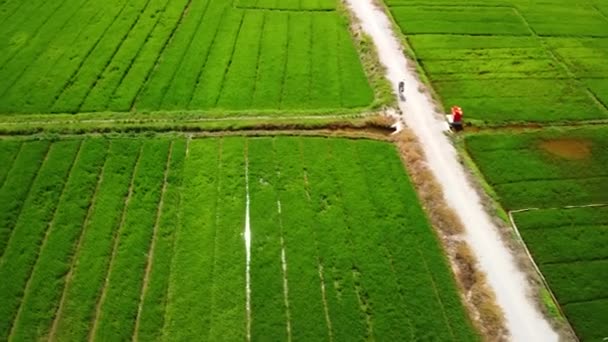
(27, 195)
(365, 306)
(533, 180)
(600, 12)
(477, 59)
(535, 265)
(15, 10)
(151, 250)
(115, 241)
(440, 77)
(559, 59)
(589, 300)
(450, 33)
(183, 54)
(310, 61)
(17, 76)
(92, 20)
(247, 238)
(567, 262)
(223, 81)
(73, 76)
(592, 205)
(527, 96)
(76, 255)
(160, 54)
(257, 62)
(595, 97)
(389, 254)
(38, 4)
(216, 223)
(339, 63)
(284, 10)
(507, 79)
(437, 296)
(141, 47)
(282, 242)
(12, 163)
(168, 289)
(284, 76)
(207, 54)
(36, 32)
(114, 52)
(314, 228)
(453, 6)
(47, 232)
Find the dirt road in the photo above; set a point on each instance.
(524, 321)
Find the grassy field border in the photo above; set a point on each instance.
(82, 125)
(368, 54)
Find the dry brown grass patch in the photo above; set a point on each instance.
(476, 295)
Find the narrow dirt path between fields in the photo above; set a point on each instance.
(524, 321)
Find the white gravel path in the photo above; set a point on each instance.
(524, 321)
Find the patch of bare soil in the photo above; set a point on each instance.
(571, 149)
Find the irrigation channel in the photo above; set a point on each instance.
(523, 319)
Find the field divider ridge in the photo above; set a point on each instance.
(150, 254)
(307, 190)
(116, 239)
(68, 277)
(43, 243)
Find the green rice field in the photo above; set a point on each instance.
(143, 238)
(557, 174)
(506, 61)
(73, 56)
